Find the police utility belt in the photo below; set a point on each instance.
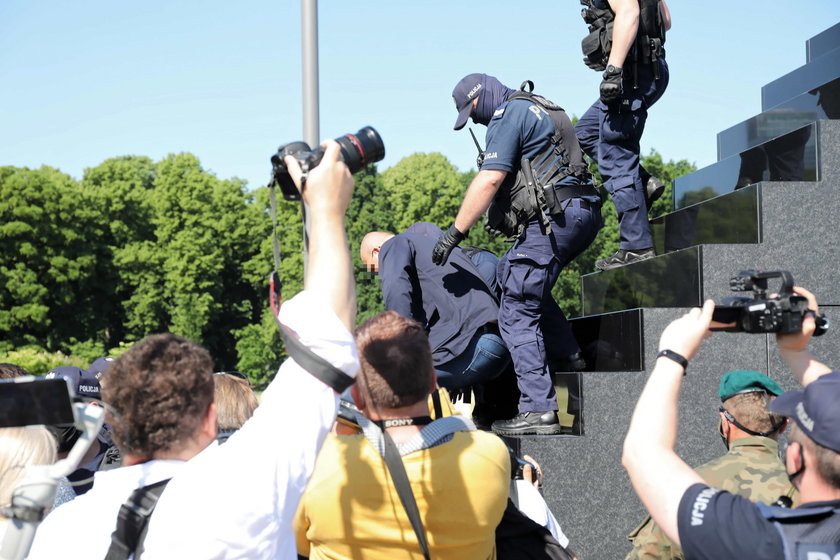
(556, 197)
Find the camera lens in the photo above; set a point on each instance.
(362, 148)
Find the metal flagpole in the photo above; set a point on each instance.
(311, 133)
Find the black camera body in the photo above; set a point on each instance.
(357, 151)
(782, 313)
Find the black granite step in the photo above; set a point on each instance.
(611, 341)
(734, 217)
(821, 44)
(790, 157)
(821, 103)
(805, 78)
(670, 280)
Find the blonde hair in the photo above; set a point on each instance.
(21, 448)
(235, 401)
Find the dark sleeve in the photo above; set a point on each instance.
(398, 275)
(714, 524)
(503, 141)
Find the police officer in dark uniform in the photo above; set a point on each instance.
(534, 185)
(625, 41)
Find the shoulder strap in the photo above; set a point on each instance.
(312, 362)
(396, 468)
(133, 521)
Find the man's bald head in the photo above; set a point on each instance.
(369, 250)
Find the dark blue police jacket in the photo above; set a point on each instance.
(451, 301)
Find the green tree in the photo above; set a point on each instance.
(51, 273)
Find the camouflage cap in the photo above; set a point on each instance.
(746, 381)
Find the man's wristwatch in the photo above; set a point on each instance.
(671, 355)
(612, 71)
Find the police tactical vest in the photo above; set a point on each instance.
(807, 533)
(522, 197)
(596, 46)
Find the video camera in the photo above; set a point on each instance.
(357, 150)
(781, 313)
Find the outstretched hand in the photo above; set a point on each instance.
(685, 335)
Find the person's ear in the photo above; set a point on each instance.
(793, 456)
(724, 426)
(208, 424)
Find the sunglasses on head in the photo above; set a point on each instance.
(234, 373)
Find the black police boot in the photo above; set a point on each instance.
(536, 423)
(622, 257)
(653, 190)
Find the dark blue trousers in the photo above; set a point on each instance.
(610, 135)
(532, 325)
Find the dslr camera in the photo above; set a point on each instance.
(357, 151)
(782, 313)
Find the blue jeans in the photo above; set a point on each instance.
(485, 358)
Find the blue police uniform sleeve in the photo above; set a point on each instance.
(396, 264)
(503, 140)
(714, 524)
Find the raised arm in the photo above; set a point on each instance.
(659, 476)
(327, 192)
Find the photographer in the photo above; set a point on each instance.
(239, 499)
(458, 476)
(710, 523)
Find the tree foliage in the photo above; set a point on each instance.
(138, 247)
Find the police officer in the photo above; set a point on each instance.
(711, 523)
(534, 185)
(635, 77)
(751, 467)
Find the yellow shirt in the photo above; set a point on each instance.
(351, 510)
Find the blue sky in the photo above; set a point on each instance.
(84, 81)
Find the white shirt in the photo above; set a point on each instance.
(530, 502)
(81, 529)
(238, 500)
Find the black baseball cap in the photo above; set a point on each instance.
(465, 91)
(815, 409)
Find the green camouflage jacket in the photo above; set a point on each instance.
(752, 468)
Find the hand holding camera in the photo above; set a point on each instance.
(329, 186)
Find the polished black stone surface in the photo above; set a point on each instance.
(790, 157)
(671, 280)
(611, 341)
(731, 218)
(820, 44)
(805, 78)
(818, 104)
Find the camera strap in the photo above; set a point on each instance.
(133, 521)
(396, 469)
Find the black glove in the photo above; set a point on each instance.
(447, 241)
(611, 85)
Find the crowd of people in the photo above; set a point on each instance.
(355, 450)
